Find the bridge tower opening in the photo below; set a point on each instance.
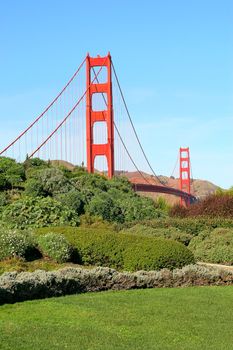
(185, 181)
(93, 116)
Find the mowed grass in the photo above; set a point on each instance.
(178, 318)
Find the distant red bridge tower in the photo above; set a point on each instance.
(185, 181)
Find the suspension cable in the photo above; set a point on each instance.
(67, 116)
(131, 122)
(118, 132)
(47, 108)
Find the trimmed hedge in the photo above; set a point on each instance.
(169, 233)
(215, 246)
(191, 226)
(124, 251)
(40, 284)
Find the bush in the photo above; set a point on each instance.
(169, 233)
(122, 251)
(215, 246)
(52, 181)
(212, 206)
(73, 200)
(155, 254)
(14, 243)
(104, 206)
(190, 225)
(55, 246)
(40, 284)
(11, 173)
(38, 212)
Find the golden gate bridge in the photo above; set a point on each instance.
(89, 123)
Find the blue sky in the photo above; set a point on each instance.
(174, 59)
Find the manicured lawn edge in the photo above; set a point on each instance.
(39, 284)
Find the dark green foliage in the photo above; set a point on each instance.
(73, 200)
(11, 173)
(38, 212)
(3, 200)
(34, 188)
(14, 243)
(215, 246)
(104, 206)
(139, 208)
(126, 252)
(90, 181)
(55, 246)
(112, 200)
(35, 163)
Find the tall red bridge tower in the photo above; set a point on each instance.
(106, 116)
(185, 182)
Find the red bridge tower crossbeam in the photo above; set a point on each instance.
(106, 149)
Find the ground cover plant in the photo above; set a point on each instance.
(179, 318)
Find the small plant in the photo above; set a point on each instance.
(55, 246)
(14, 243)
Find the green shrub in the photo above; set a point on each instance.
(38, 212)
(103, 205)
(73, 200)
(125, 251)
(155, 254)
(11, 173)
(169, 233)
(14, 243)
(191, 226)
(55, 246)
(215, 246)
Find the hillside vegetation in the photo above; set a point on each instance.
(51, 215)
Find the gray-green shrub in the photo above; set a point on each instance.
(214, 246)
(55, 246)
(169, 233)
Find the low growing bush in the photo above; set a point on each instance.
(14, 243)
(169, 233)
(55, 246)
(215, 246)
(40, 284)
(125, 251)
(191, 226)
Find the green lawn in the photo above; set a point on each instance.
(188, 318)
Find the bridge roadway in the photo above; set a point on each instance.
(189, 198)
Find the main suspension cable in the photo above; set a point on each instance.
(131, 122)
(47, 108)
(67, 116)
(118, 132)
